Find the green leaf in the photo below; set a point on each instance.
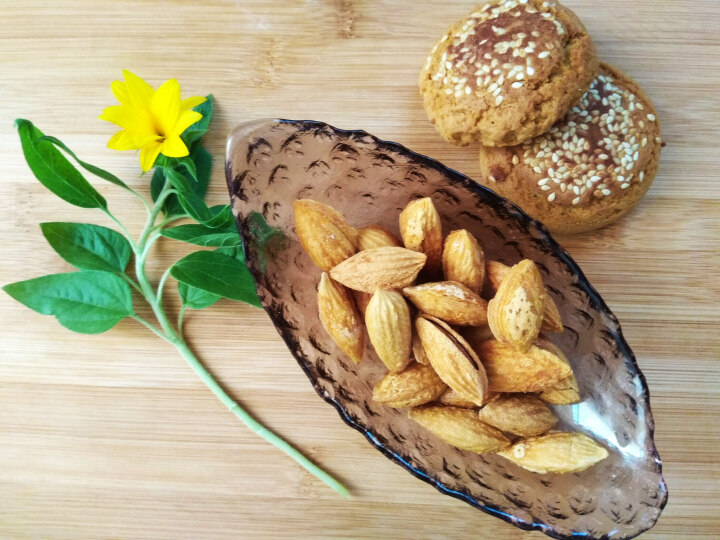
(265, 237)
(53, 169)
(199, 128)
(88, 247)
(97, 171)
(222, 217)
(203, 163)
(202, 235)
(189, 166)
(218, 274)
(195, 298)
(89, 301)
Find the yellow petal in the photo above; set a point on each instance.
(139, 92)
(191, 102)
(149, 154)
(129, 119)
(187, 119)
(120, 91)
(123, 140)
(165, 106)
(173, 146)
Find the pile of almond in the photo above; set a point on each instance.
(449, 351)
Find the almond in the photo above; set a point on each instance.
(387, 319)
(421, 231)
(463, 260)
(376, 236)
(509, 370)
(379, 268)
(415, 385)
(340, 318)
(451, 397)
(475, 335)
(452, 359)
(418, 351)
(556, 453)
(450, 301)
(523, 415)
(515, 313)
(552, 321)
(460, 427)
(565, 392)
(324, 234)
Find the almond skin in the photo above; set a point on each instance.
(459, 427)
(509, 370)
(463, 260)
(450, 301)
(415, 385)
(324, 234)
(452, 359)
(515, 313)
(421, 231)
(552, 321)
(340, 318)
(379, 268)
(361, 301)
(566, 391)
(451, 397)
(556, 453)
(387, 319)
(376, 236)
(520, 414)
(418, 351)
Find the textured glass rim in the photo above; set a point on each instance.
(526, 221)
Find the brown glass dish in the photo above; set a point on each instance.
(270, 163)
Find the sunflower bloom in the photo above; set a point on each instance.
(151, 120)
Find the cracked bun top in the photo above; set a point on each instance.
(507, 72)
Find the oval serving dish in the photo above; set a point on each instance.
(271, 163)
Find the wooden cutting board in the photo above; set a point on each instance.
(112, 436)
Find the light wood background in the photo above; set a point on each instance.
(112, 436)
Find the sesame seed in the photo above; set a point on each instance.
(551, 197)
(624, 186)
(575, 201)
(544, 54)
(492, 178)
(606, 192)
(651, 117)
(517, 84)
(535, 33)
(498, 100)
(530, 70)
(543, 181)
(467, 90)
(545, 188)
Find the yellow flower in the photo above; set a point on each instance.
(152, 120)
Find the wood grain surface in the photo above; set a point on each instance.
(112, 436)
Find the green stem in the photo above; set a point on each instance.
(147, 237)
(255, 426)
(181, 316)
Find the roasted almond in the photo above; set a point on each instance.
(566, 391)
(451, 397)
(376, 236)
(415, 385)
(460, 427)
(552, 321)
(520, 414)
(475, 335)
(418, 351)
(340, 318)
(324, 234)
(387, 319)
(556, 453)
(421, 231)
(379, 268)
(450, 301)
(516, 311)
(452, 359)
(463, 260)
(509, 370)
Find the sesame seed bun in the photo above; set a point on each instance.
(591, 167)
(507, 72)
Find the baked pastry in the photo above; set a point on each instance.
(591, 167)
(507, 72)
